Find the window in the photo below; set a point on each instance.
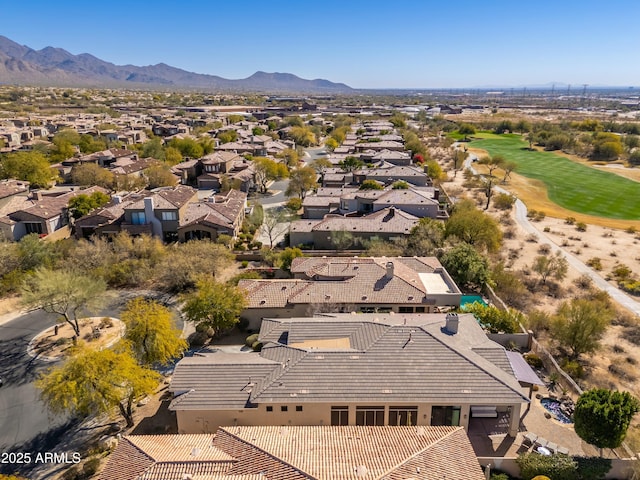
(269, 408)
(419, 309)
(370, 416)
(405, 309)
(368, 309)
(169, 216)
(339, 415)
(447, 416)
(403, 416)
(138, 218)
(298, 408)
(284, 408)
(33, 227)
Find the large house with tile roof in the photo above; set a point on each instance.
(42, 214)
(352, 369)
(343, 284)
(170, 213)
(297, 453)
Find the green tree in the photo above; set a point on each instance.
(371, 185)
(459, 156)
(579, 325)
(341, 239)
(90, 174)
(434, 170)
(469, 269)
(470, 225)
(63, 145)
(351, 163)
(188, 147)
(320, 165)
(227, 136)
(554, 266)
(495, 320)
(303, 136)
(153, 149)
(293, 205)
(94, 382)
(32, 167)
(290, 156)
(286, 257)
(266, 170)
(301, 181)
(64, 293)
(331, 144)
(217, 305)
(400, 185)
(160, 175)
(151, 332)
(426, 238)
(172, 156)
(82, 204)
(602, 417)
(466, 129)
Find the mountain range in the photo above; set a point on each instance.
(52, 66)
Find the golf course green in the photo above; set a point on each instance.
(569, 184)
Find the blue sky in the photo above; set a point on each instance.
(365, 44)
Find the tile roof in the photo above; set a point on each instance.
(13, 187)
(336, 453)
(351, 358)
(343, 280)
(387, 220)
(301, 453)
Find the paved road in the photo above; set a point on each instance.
(25, 424)
(521, 217)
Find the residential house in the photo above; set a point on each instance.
(358, 370)
(43, 215)
(389, 224)
(344, 284)
(171, 213)
(297, 453)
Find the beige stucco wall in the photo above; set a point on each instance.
(197, 421)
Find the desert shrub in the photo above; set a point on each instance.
(546, 229)
(621, 272)
(244, 264)
(532, 238)
(256, 346)
(197, 339)
(632, 230)
(581, 226)
(631, 286)
(500, 476)
(251, 339)
(617, 349)
(106, 322)
(570, 220)
(72, 473)
(595, 263)
(572, 368)
(538, 320)
(583, 281)
(558, 467)
(593, 468)
(90, 467)
(509, 233)
(544, 249)
(531, 213)
(534, 360)
(503, 201)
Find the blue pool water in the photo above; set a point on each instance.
(469, 299)
(553, 406)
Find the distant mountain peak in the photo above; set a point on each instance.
(54, 66)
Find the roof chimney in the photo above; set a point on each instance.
(116, 199)
(389, 273)
(451, 324)
(37, 195)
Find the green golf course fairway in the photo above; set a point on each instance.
(569, 184)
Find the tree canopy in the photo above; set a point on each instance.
(95, 382)
(82, 204)
(468, 268)
(301, 181)
(474, 227)
(579, 325)
(32, 167)
(151, 332)
(217, 305)
(64, 293)
(267, 169)
(89, 174)
(602, 417)
(494, 319)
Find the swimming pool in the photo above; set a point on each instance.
(469, 299)
(553, 406)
